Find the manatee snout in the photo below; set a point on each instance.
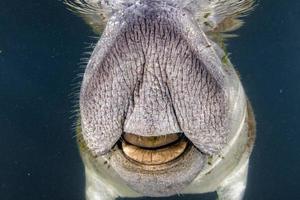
(148, 80)
(162, 109)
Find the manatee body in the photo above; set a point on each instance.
(162, 110)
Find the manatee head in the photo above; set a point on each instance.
(155, 95)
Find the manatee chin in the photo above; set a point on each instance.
(157, 171)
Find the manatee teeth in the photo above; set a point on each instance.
(154, 156)
(152, 141)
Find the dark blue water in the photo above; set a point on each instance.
(41, 44)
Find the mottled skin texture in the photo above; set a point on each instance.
(155, 71)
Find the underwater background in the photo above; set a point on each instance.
(41, 45)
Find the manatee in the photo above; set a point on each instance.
(162, 110)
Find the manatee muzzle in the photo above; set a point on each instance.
(154, 73)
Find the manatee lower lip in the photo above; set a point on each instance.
(163, 149)
(158, 179)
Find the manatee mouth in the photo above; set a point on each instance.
(153, 150)
(157, 165)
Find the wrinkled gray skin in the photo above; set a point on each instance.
(154, 72)
(150, 81)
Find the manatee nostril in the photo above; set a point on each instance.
(151, 141)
